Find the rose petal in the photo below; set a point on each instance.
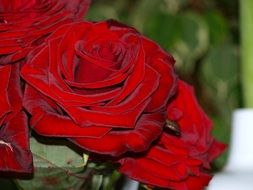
(118, 142)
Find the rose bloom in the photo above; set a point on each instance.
(24, 24)
(102, 85)
(182, 161)
(14, 145)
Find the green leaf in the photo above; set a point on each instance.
(192, 42)
(143, 12)
(111, 180)
(220, 79)
(97, 181)
(221, 67)
(100, 12)
(184, 35)
(218, 27)
(57, 167)
(164, 28)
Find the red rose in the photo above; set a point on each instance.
(178, 162)
(14, 145)
(24, 24)
(102, 85)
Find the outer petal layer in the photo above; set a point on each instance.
(25, 24)
(14, 144)
(178, 162)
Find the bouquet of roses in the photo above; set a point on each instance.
(106, 89)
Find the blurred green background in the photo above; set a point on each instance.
(203, 36)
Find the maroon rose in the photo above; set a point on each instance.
(24, 24)
(14, 145)
(102, 85)
(178, 161)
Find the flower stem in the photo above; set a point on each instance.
(246, 21)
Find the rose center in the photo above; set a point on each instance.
(8, 145)
(100, 61)
(109, 51)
